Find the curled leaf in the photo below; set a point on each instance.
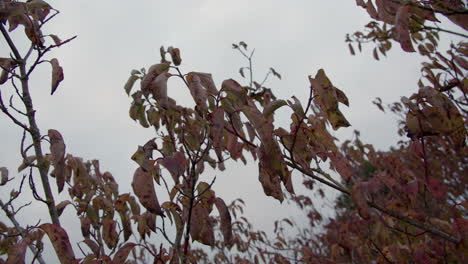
(226, 225)
(57, 149)
(175, 164)
(4, 176)
(6, 65)
(57, 75)
(17, 253)
(143, 187)
(175, 55)
(121, 256)
(59, 239)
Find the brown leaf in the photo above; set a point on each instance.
(92, 245)
(202, 226)
(226, 225)
(143, 187)
(61, 243)
(17, 252)
(175, 164)
(402, 31)
(6, 65)
(327, 98)
(197, 90)
(121, 256)
(57, 75)
(56, 39)
(4, 176)
(109, 232)
(57, 149)
(358, 196)
(61, 206)
(153, 72)
(175, 55)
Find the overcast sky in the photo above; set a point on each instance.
(296, 38)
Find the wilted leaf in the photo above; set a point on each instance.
(143, 187)
(201, 226)
(130, 82)
(26, 163)
(226, 225)
(175, 164)
(4, 176)
(16, 253)
(402, 31)
(56, 39)
(109, 232)
(61, 206)
(92, 245)
(272, 106)
(57, 150)
(327, 98)
(57, 75)
(59, 239)
(275, 73)
(351, 49)
(6, 65)
(175, 55)
(121, 256)
(357, 193)
(197, 90)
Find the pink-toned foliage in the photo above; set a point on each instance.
(404, 205)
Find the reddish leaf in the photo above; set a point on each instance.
(402, 32)
(61, 243)
(57, 149)
(357, 193)
(121, 256)
(143, 187)
(341, 165)
(197, 90)
(226, 225)
(175, 164)
(437, 188)
(57, 75)
(202, 226)
(93, 246)
(17, 252)
(109, 232)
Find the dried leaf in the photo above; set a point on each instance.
(4, 176)
(143, 187)
(226, 225)
(402, 31)
(61, 206)
(6, 65)
(175, 55)
(57, 150)
(92, 245)
(273, 106)
(26, 163)
(17, 253)
(109, 232)
(56, 39)
(175, 164)
(357, 193)
(130, 82)
(121, 256)
(61, 243)
(57, 75)
(202, 226)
